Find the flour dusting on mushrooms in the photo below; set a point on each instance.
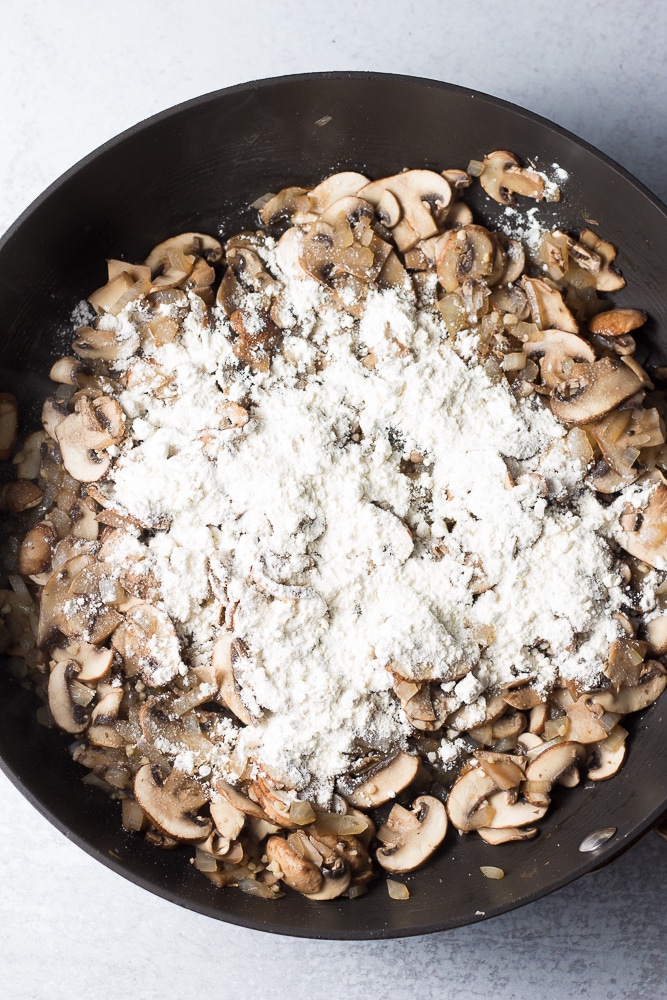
(384, 511)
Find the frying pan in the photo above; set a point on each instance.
(198, 167)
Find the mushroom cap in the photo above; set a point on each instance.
(186, 243)
(226, 651)
(506, 834)
(553, 761)
(345, 184)
(604, 762)
(548, 309)
(410, 836)
(507, 812)
(552, 348)
(385, 780)
(635, 699)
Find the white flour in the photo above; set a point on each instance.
(337, 563)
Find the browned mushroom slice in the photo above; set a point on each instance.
(626, 662)
(547, 306)
(644, 533)
(621, 435)
(607, 279)
(467, 804)
(550, 764)
(53, 599)
(593, 389)
(94, 661)
(21, 494)
(469, 253)
(501, 768)
(117, 292)
(385, 781)
(507, 812)
(422, 196)
(227, 651)
(92, 343)
(228, 819)
(502, 175)
(82, 449)
(557, 350)
(257, 339)
(333, 188)
(521, 694)
(274, 801)
(54, 412)
(292, 203)
(506, 834)
(296, 870)
(410, 836)
(65, 711)
(85, 614)
(617, 322)
(36, 549)
(8, 424)
(336, 880)
(656, 634)
(634, 699)
(149, 645)
(186, 244)
(171, 805)
(605, 758)
(240, 801)
(27, 461)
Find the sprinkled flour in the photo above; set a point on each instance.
(389, 510)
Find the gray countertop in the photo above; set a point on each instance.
(72, 75)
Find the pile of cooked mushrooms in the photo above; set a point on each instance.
(105, 659)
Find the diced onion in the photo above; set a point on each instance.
(489, 871)
(397, 890)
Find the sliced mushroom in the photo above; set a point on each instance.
(501, 768)
(226, 652)
(635, 699)
(467, 804)
(52, 612)
(656, 634)
(227, 818)
(502, 175)
(410, 836)
(336, 880)
(550, 764)
(102, 344)
(187, 244)
(240, 801)
(28, 460)
(507, 812)
(296, 871)
(171, 805)
(94, 661)
(148, 643)
(66, 713)
(593, 389)
(606, 758)
(547, 306)
(292, 203)
(422, 195)
(607, 279)
(9, 421)
(617, 322)
(507, 834)
(557, 350)
(21, 494)
(36, 549)
(644, 533)
(585, 721)
(469, 253)
(54, 412)
(385, 781)
(82, 449)
(333, 188)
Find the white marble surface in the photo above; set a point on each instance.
(73, 74)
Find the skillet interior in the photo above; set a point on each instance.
(195, 168)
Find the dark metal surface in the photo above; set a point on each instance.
(195, 168)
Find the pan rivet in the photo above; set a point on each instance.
(596, 839)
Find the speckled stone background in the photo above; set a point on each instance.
(73, 74)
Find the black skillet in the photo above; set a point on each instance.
(197, 167)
